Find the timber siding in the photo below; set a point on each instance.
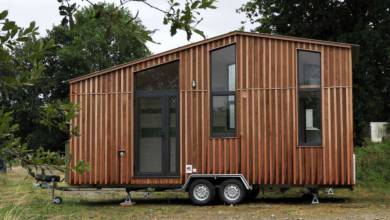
(265, 149)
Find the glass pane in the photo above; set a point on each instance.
(309, 68)
(232, 77)
(232, 113)
(223, 114)
(163, 77)
(309, 117)
(172, 135)
(223, 62)
(150, 141)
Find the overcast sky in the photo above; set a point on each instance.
(219, 21)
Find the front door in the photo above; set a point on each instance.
(156, 122)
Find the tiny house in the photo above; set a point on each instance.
(221, 117)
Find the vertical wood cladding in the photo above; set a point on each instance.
(266, 148)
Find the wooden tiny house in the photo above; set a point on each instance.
(271, 110)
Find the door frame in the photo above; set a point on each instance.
(164, 96)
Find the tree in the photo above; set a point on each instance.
(179, 17)
(102, 36)
(21, 64)
(366, 23)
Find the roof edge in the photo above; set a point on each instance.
(232, 33)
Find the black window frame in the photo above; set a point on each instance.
(162, 95)
(309, 89)
(227, 93)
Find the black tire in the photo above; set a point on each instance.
(57, 200)
(201, 184)
(238, 191)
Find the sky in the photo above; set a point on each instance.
(215, 22)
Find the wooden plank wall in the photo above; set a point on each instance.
(265, 149)
(268, 96)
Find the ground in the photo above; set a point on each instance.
(20, 200)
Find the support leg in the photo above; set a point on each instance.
(315, 199)
(330, 191)
(127, 201)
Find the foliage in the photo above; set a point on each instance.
(101, 36)
(58, 115)
(179, 17)
(7, 138)
(186, 19)
(21, 66)
(366, 23)
(373, 164)
(81, 167)
(20, 56)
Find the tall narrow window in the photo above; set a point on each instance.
(223, 91)
(309, 93)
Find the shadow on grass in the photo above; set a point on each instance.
(187, 202)
(152, 201)
(298, 200)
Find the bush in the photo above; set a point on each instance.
(373, 164)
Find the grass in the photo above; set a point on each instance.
(20, 200)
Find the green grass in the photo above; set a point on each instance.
(19, 200)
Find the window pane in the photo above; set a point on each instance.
(223, 114)
(232, 113)
(309, 68)
(309, 118)
(232, 77)
(223, 63)
(163, 77)
(150, 129)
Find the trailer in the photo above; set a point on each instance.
(224, 117)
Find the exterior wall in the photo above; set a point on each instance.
(265, 149)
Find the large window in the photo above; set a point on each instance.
(223, 91)
(309, 94)
(156, 121)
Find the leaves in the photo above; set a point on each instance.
(184, 16)
(81, 167)
(58, 115)
(3, 14)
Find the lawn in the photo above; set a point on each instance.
(20, 200)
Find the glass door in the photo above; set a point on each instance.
(156, 121)
(157, 151)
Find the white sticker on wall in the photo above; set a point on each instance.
(188, 168)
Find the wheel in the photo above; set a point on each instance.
(232, 191)
(202, 192)
(253, 193)
(57, 200)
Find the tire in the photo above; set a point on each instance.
(57, 200)
(202, 192)
(232, 191)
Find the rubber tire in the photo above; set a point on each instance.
(57, 200)
(211, 189)
(240, 186)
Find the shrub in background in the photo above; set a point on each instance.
(373, 164)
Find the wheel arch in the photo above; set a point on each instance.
(215, 178)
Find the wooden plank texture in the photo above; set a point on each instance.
(265, 149)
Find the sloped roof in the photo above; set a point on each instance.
(233, 33)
